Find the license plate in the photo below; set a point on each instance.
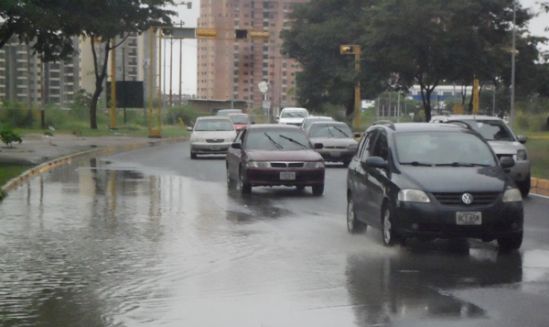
(287, 176)
(469, 218)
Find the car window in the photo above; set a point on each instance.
(492, 130)
(439, 148)
(293, 114)
(330, 131)
(381, 148)
(239, 119)
(276, 140)
(367, 145)
(213, 125)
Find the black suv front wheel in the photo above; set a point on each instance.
(387, 228)
(510, 243)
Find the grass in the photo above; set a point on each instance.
(538, 150)
(128, 130)
(9, 171)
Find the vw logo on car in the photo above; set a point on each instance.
(467, 198)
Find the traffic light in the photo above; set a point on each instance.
(206, 32)
(240, 34)
(349, 49)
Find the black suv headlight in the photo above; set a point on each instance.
(413, 196)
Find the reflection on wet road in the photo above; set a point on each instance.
(151, 238)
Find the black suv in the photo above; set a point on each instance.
(432, 181)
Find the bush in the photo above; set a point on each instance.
(9, 137)
(16, 114)
(186, 113)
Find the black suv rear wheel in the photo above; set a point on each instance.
(354, 226)
(387, 228)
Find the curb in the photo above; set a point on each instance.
(65, 160)
(540, 186)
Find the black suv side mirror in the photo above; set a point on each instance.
(507, 163)
(375, 162)
(236, 145)
(318, 146)
(522, 139)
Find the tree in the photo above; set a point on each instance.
(39, 22)
(318, 29)
(106, 24)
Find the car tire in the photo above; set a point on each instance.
(193, 155)
(245, 188)
(510, 243)
(354, 226)
(524, 186)
(230, 182)
(387, 228)
(318, 190)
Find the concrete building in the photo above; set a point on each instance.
(229, 68)
(25, 78)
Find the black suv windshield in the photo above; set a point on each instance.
(277, 140)
(442, 148)
(491, 130)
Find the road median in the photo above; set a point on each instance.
(105, 148)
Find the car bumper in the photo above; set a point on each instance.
(438, 221)
(337, 155)
(520, 171)
(210, 148)
(271, 177)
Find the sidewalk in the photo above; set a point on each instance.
(38, 148)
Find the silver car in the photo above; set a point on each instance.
(502, 140)
(338, 144)
(212, 135)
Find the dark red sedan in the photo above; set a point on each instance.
(273, 155)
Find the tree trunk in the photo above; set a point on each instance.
(426, 100)
(93, 106)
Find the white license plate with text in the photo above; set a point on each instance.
(469, 218)
(287, 176)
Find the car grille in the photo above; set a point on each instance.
(501, 156)
(287, 164)
(479, 198)
(214, 140)
(335, 147)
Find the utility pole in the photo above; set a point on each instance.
(180, 66)
(356, 50)
(112, 111)
(171, 70)
(124, 80)
(513, 64)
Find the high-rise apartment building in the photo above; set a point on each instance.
(25, 78)
(229, 68)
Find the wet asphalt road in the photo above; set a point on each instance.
(151, 238)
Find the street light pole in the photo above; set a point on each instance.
(513, 64)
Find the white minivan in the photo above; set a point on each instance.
(292, 116)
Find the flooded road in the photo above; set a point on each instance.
(151, 238)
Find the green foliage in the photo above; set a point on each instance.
(16, 114)
(186, 113)
(424, 42)
(9, 137)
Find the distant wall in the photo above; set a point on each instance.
(211, 106)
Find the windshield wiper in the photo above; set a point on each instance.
(417, 163)
(293, 141)
(461, 164)
(341, 131)
(276, 144)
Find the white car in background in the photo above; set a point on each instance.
(292, 116)
(502, 140)
(212, 135)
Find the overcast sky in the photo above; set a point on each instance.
(190, 16)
